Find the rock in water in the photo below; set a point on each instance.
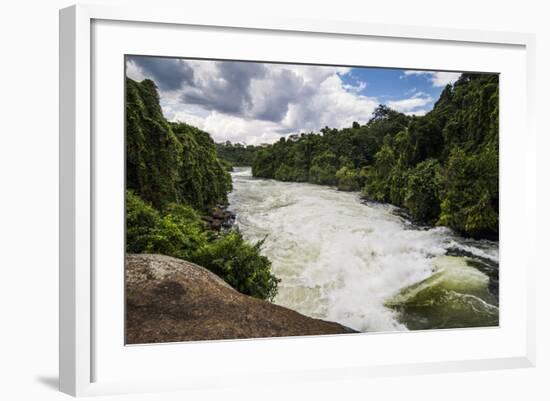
(170, 300)
(219, 218)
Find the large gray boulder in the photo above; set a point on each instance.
(170, 300)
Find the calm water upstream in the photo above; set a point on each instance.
(362, 265)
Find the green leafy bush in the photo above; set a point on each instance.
(421, 191)
(398, 180)
(377, 185)
(469, 193)
(180, 232)
(323, 169)
(141, 220)
(284, 173)
(349, 179)
(263, 164)
(240, 264)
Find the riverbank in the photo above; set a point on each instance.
(172, 300)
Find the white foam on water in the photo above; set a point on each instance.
(338, 259)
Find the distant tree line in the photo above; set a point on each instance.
(441, 167)
(236, 154)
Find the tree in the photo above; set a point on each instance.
(421, 197)
(323, 169)
(469, 193)
(377, 185)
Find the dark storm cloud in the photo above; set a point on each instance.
(168, 73)
(288, 88)
(253, 91)
(229, 91)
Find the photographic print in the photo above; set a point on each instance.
(272, 199)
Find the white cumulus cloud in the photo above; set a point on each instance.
(437, 78)
(412, 105)
(254, 102)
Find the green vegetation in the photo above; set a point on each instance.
(178, 231)
(169, 162)
(174, 176)
(441, 167)
(236, 154)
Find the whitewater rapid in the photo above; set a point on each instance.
(340, 259)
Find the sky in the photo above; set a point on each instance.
(254, 103)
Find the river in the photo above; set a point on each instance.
(362, 264)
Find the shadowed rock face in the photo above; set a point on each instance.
(169, 300)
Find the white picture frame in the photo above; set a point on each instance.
(93, 357)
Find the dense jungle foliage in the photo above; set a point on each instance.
(169, 162)
(178, 231)
(236, 154)
(441, 167)
(173, 177)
